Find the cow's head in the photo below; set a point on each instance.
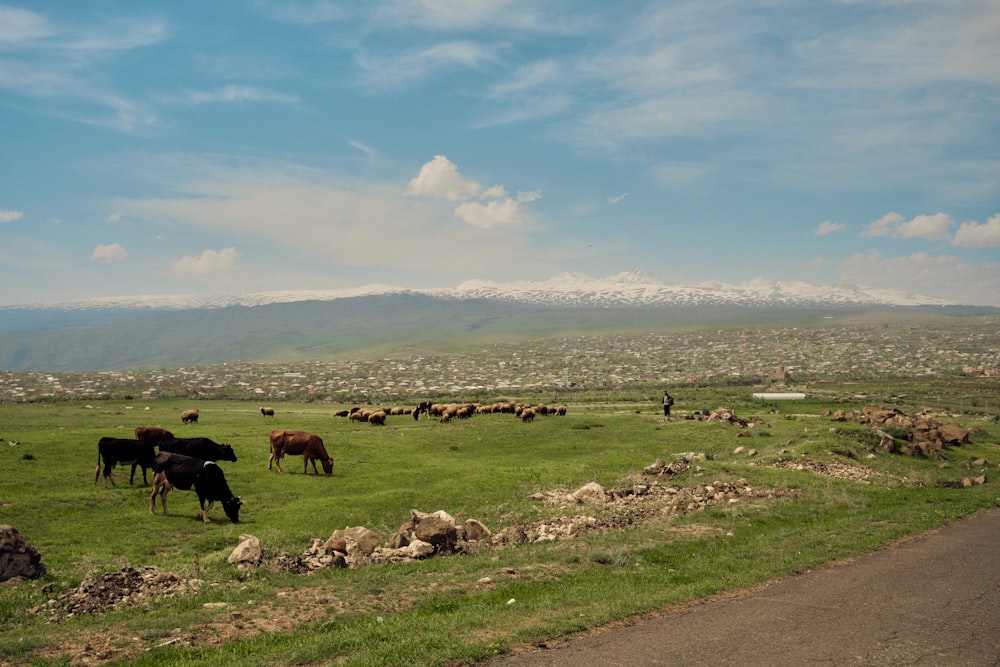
(232, 508)
(327, 465)
(226, 453)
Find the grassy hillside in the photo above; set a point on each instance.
(448, 609)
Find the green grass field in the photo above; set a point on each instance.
(442, 610)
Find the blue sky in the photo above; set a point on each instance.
(229, 147)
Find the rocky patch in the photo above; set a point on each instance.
(430, 534)
(18, 559)
(909, 434)
(127, 587)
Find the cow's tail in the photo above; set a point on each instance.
(97, 473)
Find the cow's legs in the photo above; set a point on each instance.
(204, 510)
(162, 488)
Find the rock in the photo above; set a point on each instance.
(475, 531)
(592, 492)
(365, 538)
(248, 553)
(17, 557)
(437, 531)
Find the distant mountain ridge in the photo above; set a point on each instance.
(631, 288)
(180, 331)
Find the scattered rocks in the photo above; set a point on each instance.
(18, 559)
(422, 536)
(127, 587)
(965, 483)
(909, 434)
(832, 469)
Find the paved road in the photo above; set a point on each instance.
(933, 600)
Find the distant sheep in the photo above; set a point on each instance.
(189, 417)
(267, 412)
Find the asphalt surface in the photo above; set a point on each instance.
(933, 600)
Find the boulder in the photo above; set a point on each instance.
(248, 553)
(591, 492)
(366, 539)
(475, 531)
(18, 559)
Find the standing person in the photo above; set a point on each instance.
(668, 400)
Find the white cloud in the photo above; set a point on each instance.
(9, 216)
(883, 226)
(943, 276)
(440, 178)
(828, 227)
(287, 212)
(489, 215)
(618, 198)
(934, 227)
(498, 213)
(113, 252)
(208, 262)
(928, 227)
(975, 235)
(114, 217)
(232, 95)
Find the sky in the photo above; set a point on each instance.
(240, 146)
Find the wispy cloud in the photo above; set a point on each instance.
(383, 71)
(231, 94)
(9, 216)
(828, 227)
(113, 252)
(59, 66)
(208, 262)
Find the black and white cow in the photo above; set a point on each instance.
(123, 451)
(187, 473)
(205, 449)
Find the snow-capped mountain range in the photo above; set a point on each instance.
(631, 288)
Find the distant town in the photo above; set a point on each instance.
(960, 347)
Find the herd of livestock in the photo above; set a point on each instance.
(191, 463)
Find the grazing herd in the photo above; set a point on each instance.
(191, 463)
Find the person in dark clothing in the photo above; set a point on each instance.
(668, 401)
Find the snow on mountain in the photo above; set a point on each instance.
(631, 288)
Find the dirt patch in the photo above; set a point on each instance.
(831, 469)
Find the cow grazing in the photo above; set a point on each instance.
(299, 442)
(189, 417)
(199, 448)
(424, 406)
(186, 473)
(267, 412)
(152, 434)
(123, 451)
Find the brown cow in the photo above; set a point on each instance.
(153, 434)
(308, 445)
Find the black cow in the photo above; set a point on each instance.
(187, 473)
(123, 451)
(199, 448)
